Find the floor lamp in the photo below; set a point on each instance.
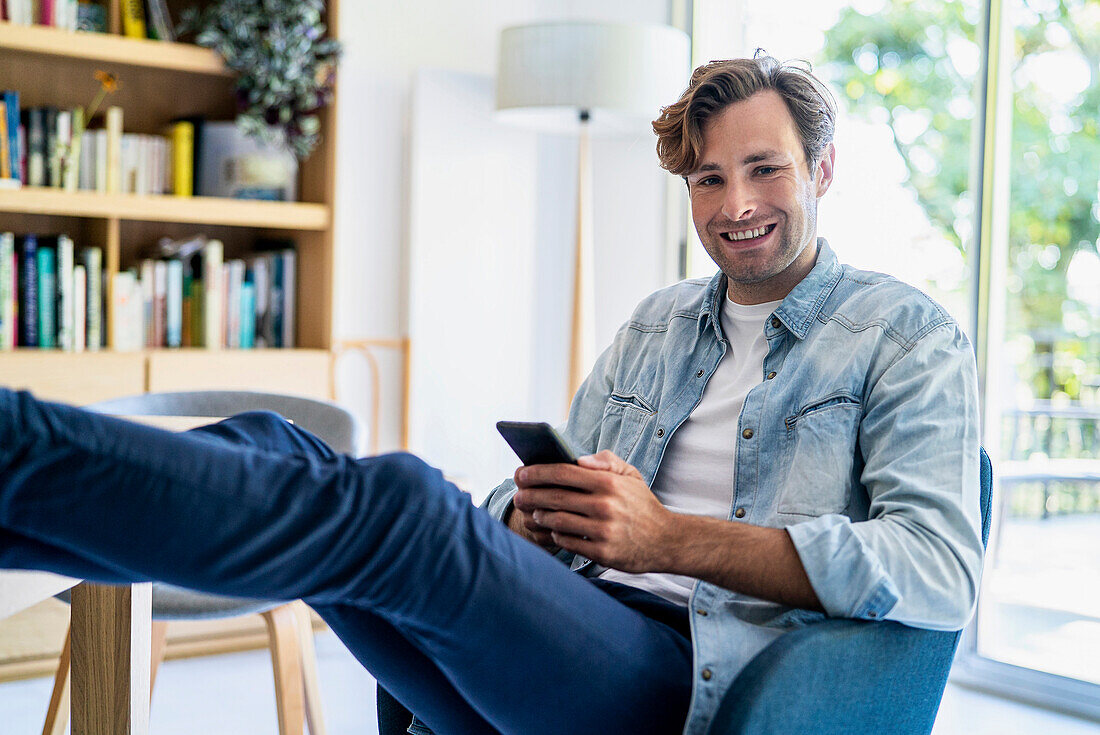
(588, 77)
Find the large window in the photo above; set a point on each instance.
(968, 164)
(1040, 608)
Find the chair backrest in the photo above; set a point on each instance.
(848, 677)
(334, 425)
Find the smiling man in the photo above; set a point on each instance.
(788, 440)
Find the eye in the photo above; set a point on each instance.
(767, 170)
(708, 181)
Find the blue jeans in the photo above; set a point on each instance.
(470, 626)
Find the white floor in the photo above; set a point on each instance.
(233, 695)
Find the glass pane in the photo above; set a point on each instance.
(903, 73)
(1041, 598)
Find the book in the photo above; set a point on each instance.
(58, 130)
(160, 303)
(91, 259)
(126, 312)
(70, 167)
(28, 291)
(11, 105)
(65, 309)
(147, 281)
(182, 136)
(113, 158)
(173, 322)
(100, 157)
(5, 145)
(289, 266)
(234, 271)
(47, 296)
(258, 275)
(36, 146)
(133, 19)
(80, 305)
(248, 315)
(91, 16)
(7, 291)
(213, 255)
(160, 23)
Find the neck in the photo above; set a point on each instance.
(778, 286)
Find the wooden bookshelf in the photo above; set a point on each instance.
(108, 48)
(197, 210)
(158, 82)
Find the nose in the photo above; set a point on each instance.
(739, 202)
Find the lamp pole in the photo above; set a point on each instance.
(583, 334)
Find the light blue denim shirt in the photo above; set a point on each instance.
(863, 445)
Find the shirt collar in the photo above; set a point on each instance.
(801, 305)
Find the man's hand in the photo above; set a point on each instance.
(602, 509)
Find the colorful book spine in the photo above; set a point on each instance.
(11, 105)
(7, 291)
(28, 291)
(133, 18)
(213, 255)
(92, 261)
(160, 303)
(182, 137)
(36, 146)
(234, 270)
(70, 168)
(59, 129)
(289, 260)
(80, 306)
(147, 298)
(248, 315)
(174, 304)
(47, 296)
(5, 147)
(65, 317)
(113, 157)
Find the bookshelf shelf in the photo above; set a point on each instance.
(110, 48)
(196, 210)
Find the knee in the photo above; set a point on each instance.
(407, 470)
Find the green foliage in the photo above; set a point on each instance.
(285, 65)
(912, 65)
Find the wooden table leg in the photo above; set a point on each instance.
(110, 659)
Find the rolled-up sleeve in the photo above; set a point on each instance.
(917, 559)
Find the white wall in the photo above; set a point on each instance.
(384, 46)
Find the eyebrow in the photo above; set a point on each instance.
(764, 155)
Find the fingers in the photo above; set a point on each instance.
(571, 524)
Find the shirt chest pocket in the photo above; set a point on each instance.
(624, 418)
(819, 456)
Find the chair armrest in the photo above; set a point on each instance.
(841, 676)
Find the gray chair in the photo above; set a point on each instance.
(289, 630)
(842, 677)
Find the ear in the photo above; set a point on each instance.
(824, 170)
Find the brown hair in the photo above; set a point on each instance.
(717, 85)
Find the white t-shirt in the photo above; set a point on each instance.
(696, 475)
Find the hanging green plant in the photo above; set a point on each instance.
(286, 67)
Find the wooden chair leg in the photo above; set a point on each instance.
(311, 684)
(57, 716)
(282, 634)
(160, 643)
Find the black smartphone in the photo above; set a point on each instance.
(536, 442)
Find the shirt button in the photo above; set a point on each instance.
(771, 375)
(707, 674)
(699, 374)
(740, 512)
(660, 433)
(747, 433)
(776, 322)
(872, 614)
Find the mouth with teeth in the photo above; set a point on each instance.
(748, 237)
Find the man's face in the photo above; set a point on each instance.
(754, 199)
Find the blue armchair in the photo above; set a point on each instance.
(848, 677)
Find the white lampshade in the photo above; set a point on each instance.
(621, 73)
